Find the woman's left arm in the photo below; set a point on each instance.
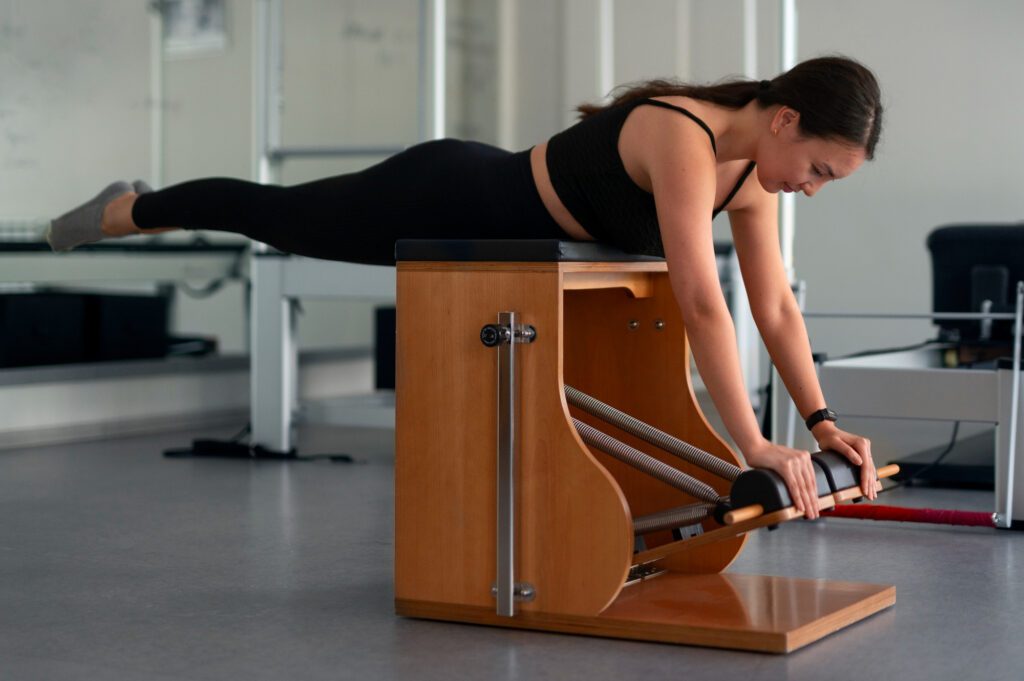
(755, 236)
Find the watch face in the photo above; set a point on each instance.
(830, 415)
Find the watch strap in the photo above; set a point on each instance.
(817, 417)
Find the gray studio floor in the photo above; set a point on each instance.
(116, 563)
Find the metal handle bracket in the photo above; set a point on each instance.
(504, 336)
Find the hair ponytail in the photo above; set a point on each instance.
(837, 97)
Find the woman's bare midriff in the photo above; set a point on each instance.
(551, 201)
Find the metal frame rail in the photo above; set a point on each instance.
(278, 280)
(984, 396)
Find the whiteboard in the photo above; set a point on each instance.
(74, 109)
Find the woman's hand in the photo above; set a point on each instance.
(855, 448)
(795, 468)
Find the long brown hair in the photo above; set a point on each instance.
(837, 97)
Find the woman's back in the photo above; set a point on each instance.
(597, 169)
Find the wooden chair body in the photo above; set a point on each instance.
(613, 331)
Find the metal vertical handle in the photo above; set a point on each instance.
(504, 335)
(506, 466)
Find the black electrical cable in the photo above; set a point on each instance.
(883, 351)
(242, 433)
(949, 448)
(766, 415)
(236, 448)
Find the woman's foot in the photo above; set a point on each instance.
(117, 216)
(90, 221)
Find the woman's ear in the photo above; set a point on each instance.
(785, 118)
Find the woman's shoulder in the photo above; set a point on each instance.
(651, 132)
(694, 107)
(664, 120)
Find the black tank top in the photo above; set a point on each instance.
(589, 177)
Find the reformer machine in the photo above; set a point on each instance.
(622, 530)
(971, 371)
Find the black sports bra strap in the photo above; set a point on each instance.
(735, 189)
(666, 105)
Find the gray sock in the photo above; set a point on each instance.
(83, 224)
(141, 187)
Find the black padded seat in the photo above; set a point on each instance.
(512, 250)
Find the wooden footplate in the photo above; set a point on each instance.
(744, 612)
(579, 523)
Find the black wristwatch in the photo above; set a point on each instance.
(817, 417)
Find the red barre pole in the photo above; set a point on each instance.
(911, 515)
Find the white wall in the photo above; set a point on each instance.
(74, 113)
(951, 152)
(949, 72)
(350, 76)
(537, 109)
(73, 101)
(74, 118)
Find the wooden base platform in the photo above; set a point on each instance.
(744, 612)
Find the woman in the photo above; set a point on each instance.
(646, 174)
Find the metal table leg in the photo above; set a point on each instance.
(272, 358)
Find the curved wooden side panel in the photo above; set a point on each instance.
(632, 354)
(574, 539)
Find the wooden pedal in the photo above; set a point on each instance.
(779, 495)
(754, 516)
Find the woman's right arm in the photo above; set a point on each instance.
(682, 169)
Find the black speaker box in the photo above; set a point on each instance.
(384, 348)
(62, 328)
(129, 327)
(42, 328)
(971, 263)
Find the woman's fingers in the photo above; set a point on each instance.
(798, 471)
(811, 487)
(852, 454)
(867, 469)
(802, 485)
(795, 490)
(868, 476)
(858, 451)
(861, 448)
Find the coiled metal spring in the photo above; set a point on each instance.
(672, 518)
(648, 433)
(646, 463)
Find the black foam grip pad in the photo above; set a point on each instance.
(767, 488)
(839, 471)
(759, 486)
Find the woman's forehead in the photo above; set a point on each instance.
(841, 158)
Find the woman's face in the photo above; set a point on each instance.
(788, 161)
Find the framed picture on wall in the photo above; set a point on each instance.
(193, 27)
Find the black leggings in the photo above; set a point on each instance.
(446, 189)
